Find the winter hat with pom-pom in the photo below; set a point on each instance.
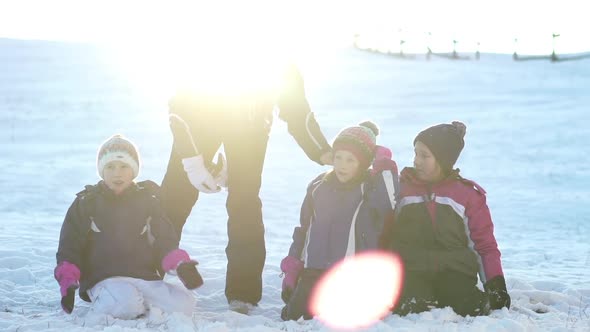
(118, 148)
(445, 141)
(360, 141)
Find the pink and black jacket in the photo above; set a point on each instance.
(443, 226)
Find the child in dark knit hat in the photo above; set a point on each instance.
(342, 214)
(443, 231)
(116, 244)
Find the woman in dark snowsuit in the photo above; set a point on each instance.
(202, 121)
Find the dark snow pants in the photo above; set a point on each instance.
(245, 141)
(298, 304)
(423, 291)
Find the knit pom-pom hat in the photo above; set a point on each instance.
(445, 141)
(360, 141)
(118, 148)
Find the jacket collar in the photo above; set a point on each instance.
(333, 181)
(104, 190)
(408, 175)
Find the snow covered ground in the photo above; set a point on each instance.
(526, 144)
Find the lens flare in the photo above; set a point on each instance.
(358, 291)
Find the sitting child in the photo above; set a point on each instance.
(342, 214)
(116, 244)
(444, 233)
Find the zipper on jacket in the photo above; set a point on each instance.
(430, 201)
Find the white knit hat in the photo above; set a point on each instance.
(118, 148)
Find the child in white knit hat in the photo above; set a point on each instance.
(118, 163)
(116, 244)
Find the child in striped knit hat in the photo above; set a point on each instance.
(342, 214)
(116, 244)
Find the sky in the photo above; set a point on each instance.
(306, 24)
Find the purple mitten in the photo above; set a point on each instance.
(291, 267)
(67, 276)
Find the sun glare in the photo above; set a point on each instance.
(205, 46)
(358, 291)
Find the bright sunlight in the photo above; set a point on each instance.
(358, 291)
(227, 45)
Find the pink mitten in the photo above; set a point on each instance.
(291, 267)
(174, 258)
(178, 260)
(382, 153)
(67, 276)
(383, 161)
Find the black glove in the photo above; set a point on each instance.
(67, 301)
(188, 274)
(497, 293)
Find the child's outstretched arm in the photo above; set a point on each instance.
(71, 240)
(297, 248)
(387, 167)
(481, 229)
(173, 260)
(293, 264)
